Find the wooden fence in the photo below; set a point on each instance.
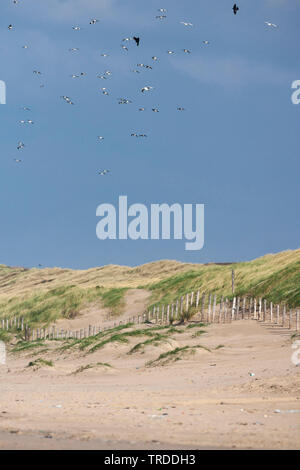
(209, 308)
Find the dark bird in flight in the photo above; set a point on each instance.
(137, 40)
(235, 8)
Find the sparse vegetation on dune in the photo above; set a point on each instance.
(61, 302)
(174, 355)
(45, 295)
(275, 277)
(91, 366)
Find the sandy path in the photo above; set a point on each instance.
(135, 304)
(208, 400)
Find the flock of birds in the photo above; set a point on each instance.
(161, 16)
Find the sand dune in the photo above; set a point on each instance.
(124, 399)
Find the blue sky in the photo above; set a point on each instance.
(235, 148)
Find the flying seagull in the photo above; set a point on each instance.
(67, 99)
(76, 28)
(185, 23)
(100, 137)
(137, 40)
(10, 27)
(94, 21)
(187, 51)
(17, 161)
(271, 24)
(160, 17)
(235, 8)
(146, 88)
(124, 101)
(20, 145)
(103, 172)
(73, 49)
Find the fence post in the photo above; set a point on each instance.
(271, 312)
(187, 302)
(192, 298)
(254, 310)
(209, 308)
(244, 308)
(214, 308)
(233, 310)
(237, 308)
(197, 298)
(220, 309)
(203, 306)
(168, 313)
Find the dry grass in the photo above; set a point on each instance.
(33, 291)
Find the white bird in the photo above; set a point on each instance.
(73, 49)
(124, 48)
(135, 71)
(155, 110)
(160, 17)
(103, 77)
(104, 54)
(29, 121)
(94, 21)
(26, 109)
(25, 46)
(107, 72)
(100, 137)
(74, 76)
(134, 134)
(36, 72)
(146, 88)
(17, 161)
(162, 10)
(103, 172)
(67, 99)
(104, 91)
(181, 109)
(170, 52)
(271, 24)
(205, 42)
(185, 23)
(187, 51)
(154, 58)
(142, 109)
(76, 28)
(10, 27)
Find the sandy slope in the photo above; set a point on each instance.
(135, 304)
(205, 400)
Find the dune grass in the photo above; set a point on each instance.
(275, 277)
(40, 363)
(90, 366)
(174, 355)
(43, 296)
(44, 308)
